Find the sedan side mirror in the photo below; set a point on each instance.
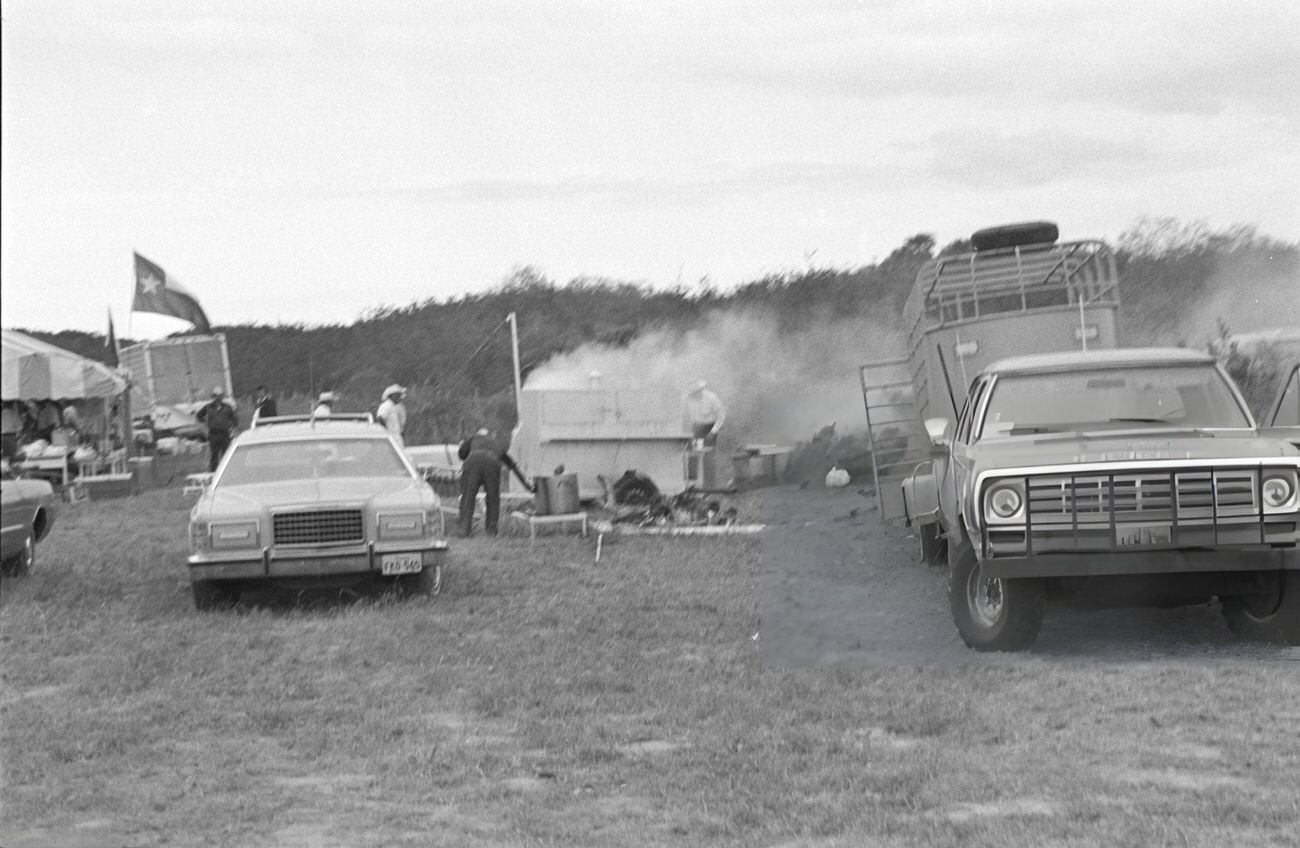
(940, 432)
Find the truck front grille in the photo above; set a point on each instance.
(318, 527)
(1153, 496)
(1140, 508)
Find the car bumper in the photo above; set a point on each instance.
(1142, 562)
(269, 564)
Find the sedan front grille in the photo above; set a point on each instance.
(318, 527)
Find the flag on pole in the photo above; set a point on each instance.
(110, 342)
(157, 292)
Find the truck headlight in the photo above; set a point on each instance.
(1278, 489)
(1003, 502)
(227, 535)
(401, 525)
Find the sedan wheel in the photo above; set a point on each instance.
(214, 594)
(21, 564)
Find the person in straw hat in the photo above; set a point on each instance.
(325, 405)
(392, 413)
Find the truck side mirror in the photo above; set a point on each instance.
(940, 432)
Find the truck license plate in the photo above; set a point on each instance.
(400, 563)
(1142, 534)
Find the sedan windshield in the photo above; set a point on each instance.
(1180, 396)
(312, 458)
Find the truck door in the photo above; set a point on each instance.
(1283, 420)
(961, 447)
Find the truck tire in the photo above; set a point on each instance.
(1015, 235)
(934, 547)
(1272, 615)
(992, 614)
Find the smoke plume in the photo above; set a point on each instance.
(779, 386)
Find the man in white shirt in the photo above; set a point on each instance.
(704, 412)
(392, 413)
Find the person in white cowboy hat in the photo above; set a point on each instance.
(392, 413)
(325, 405)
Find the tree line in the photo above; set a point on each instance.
(455, 355)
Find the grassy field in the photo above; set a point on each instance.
(546, 699)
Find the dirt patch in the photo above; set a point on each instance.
(649, 747)
(1177, 779)
(326, 782)
(1014, 807)
(840, 587)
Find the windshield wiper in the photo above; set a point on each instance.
(1139, 421)
(1023, 429)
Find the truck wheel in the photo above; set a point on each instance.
(1272, 615)
(214, 594)
(934, 547)
(992, 614)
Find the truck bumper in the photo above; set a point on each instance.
(1142, 562)
(269, 565)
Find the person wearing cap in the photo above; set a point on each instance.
(704, 413)
(481, 458)
(264, 405)
(325, 405)
(392, 413)
(219, 417)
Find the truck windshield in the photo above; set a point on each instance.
(1179, 396)
(278, 462)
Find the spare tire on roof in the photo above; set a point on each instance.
(1014, 235)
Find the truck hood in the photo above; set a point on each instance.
(395, 492)
(1130, 446)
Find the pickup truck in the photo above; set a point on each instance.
(1127, 476)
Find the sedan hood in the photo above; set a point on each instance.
(1129, 446)
(316, 492)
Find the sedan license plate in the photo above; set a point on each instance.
(1131, 535)
(400, 563)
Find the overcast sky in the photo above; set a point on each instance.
(305, 162)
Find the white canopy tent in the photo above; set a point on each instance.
(35, 370)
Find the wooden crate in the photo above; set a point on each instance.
(100, 487)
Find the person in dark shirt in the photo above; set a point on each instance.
(264, 404)
(481, 460)
(218, 415)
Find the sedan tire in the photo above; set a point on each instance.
(21, 564)
(214, 594)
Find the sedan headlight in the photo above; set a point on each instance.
(199, 538)
(228, 535)
(1004, 502)
(435, 521)
(401, 525)
(1278, 489)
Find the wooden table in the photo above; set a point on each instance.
(563, 520)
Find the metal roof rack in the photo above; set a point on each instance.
(349, 417)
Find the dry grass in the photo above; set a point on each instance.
(545, 699)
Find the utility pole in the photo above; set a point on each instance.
(514, 350)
